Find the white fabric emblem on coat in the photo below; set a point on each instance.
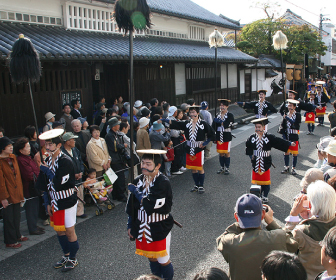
(159, 203)
(201, 126)
(266, 140)
(65, 179)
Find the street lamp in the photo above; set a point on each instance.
(280, 42)
(216, 40)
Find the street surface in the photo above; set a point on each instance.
(106, 252)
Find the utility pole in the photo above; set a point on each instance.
(322, 19)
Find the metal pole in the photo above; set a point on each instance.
(131, 100)
(216, 80)
(35, 119)
(282, 79)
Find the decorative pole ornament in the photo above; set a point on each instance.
(25, 66)
(216, 40)
(280, 43)
(132, 15)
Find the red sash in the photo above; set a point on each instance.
(310, 117)
(223, 147)
(261, 179)
(321, 112)
(57, 220)
(294, 150)
(195, 162)
(154, 250)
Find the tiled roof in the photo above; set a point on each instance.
(262, 63)
(58, 43)
(276, 63)
(187, 9)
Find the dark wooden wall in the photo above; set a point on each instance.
(15, 104)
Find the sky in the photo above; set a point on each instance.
(245, 11)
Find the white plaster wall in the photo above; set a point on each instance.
(254, 79)
(180, 79)
(169, 24)
(35, 7)
(242, 81)
(233, 75)
(261, 78)
(223, 76)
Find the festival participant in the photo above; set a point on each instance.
(149, 219)
(60, 196)
(196, 132)
(321, 101)
(260, 107)
(222, 125)
(290, 129)
(258, 147)
(300, 106)
(310, 116)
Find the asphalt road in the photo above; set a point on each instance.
(106, 252)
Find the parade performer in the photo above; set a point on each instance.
(149, 219)
(312, 90)
(310, 116)
(321, 101)
(258, 147)
(222, 125)
(57, 180)
(198, 134)
(300, 106)
(260, 107)
(290, 127)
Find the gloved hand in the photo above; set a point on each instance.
(165, 120)
(133, 189)
(217, 120)
(47, 172)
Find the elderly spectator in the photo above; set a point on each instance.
(331, 156)
(144, 112)
(84, 123)
(138, 104)
(29, 173)
(317, 208)
(30, 133)
(11, 194)
(120, 103)
(50, 118)
(282, 265)
(321, 151)
(69, 148)
(242, 241)
(83, 138)
(328, 255)
(143, 141)
(66, 118)
(311, 175)
(156, 138)
(2, 132)
(185, 108)
(165, 108)
(332, 182)
(75, 111)
(117, 150)
(97, 152)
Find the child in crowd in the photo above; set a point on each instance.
(169, 157)
(95, 187)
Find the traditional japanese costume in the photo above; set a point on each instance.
(222, 126)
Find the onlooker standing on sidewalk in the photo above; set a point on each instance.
(69, 149)
(11, 194)
(76, 106)
(29, 173)
(2, 132)
(66, 118)
(30, 133)
(169, 156)
(50, 119)
(207, 117)
(143, 142)
(156, 138)
(83, 138)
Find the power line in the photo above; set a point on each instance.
(302, 8)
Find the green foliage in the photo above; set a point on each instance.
(257, 38)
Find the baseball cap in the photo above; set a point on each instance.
(249, 211)
(204, 104)
(172, 110)
(69, 135)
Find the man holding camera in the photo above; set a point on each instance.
(117, 152)
(245, 244)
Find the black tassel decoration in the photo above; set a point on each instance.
(24, 64)
(132, 15)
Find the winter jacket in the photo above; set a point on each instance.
(28, 170)
(10, 182)
(97, 153)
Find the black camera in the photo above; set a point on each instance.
(256, 190)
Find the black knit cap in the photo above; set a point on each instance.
(4, 142)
